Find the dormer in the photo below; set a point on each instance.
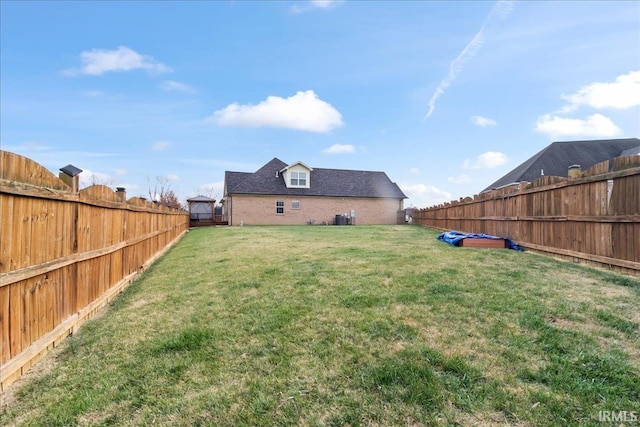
(297, 175)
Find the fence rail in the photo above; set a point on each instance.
(65, 254)
(593, 218)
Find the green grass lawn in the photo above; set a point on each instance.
(364, 325)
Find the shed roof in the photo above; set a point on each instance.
(201, 199)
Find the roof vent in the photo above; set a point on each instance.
(277, 174)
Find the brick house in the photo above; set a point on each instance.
(281, 194)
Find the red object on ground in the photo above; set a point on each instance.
(484, 243)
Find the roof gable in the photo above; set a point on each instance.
(555, 159)
(265, 178)
(298, 163)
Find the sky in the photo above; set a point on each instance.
(445, 97)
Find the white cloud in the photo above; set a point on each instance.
(460, 179)
(483, 121)
(302, 111)
(89, 178)
(121, 171)
(35, 146)
(502, 9)
(621, 94)
(455, 67)
(340, 149)
(173, 177)
(93, 93)
(129, 187)
(315, 4)
(488, 160)
(170, 85)
(324, 4)
(422, 196)
(161, 145)
(593, 125)
(415, 171)
(97, 62)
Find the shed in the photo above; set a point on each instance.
(201, 211)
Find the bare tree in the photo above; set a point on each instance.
(211, 190)
(160, 191)
(208, 192)
(170, 200)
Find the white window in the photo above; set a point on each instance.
(298, 179)
(279, 207)
(295, 204)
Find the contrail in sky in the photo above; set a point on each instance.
(500, 10)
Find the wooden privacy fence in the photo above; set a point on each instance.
(593, 218)
(65, 254)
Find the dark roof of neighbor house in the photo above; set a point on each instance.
(555, 159)
(324, 182)
(635, 151)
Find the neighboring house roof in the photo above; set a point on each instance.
(555, 159)
(324, 182)
(631, 152)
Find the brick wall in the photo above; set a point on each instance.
(261, 210)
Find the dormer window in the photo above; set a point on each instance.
(297, 175)
(298, 179)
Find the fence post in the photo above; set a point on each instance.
(70, 176)
(121, 192)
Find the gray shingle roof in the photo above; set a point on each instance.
(635, 151)
(555, 159)
(324, 182)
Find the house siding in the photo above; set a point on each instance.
(261, 210)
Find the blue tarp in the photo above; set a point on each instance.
(455, 237)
